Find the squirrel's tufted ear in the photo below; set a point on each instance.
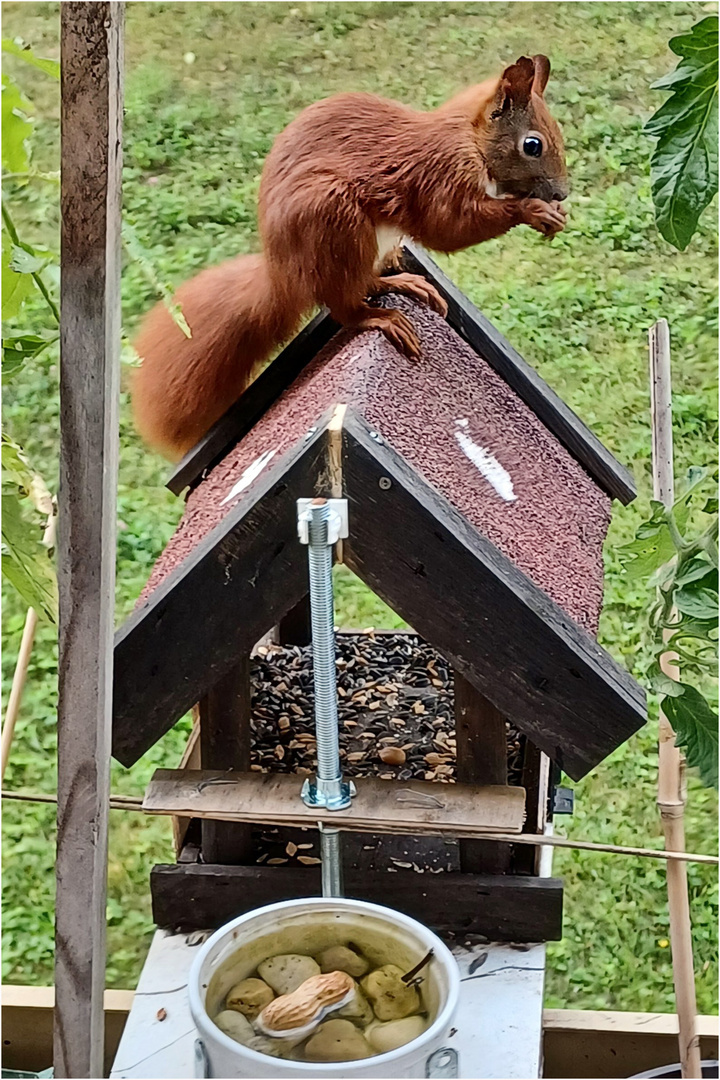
(516, 83)
(542, 74)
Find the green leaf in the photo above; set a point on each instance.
(23, 260)
(651, 549)
(684, 163)
(710, 507)
(694, 477)
(697, 569)
(26, 562)
(660, 683)
(25, 481)
(16, 127)
(17, 350)
(24, 578)
(15, 465)
(698, 603)
(15, 287)
(696, 731)
(24, 52)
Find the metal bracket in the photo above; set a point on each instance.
(443, 1063)
(338, 523)
(563, 800)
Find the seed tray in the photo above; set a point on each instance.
(395, 692)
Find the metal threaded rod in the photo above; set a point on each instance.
(331, 856)
(320, 558)
(318, 527)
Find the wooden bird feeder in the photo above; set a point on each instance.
(478, 506)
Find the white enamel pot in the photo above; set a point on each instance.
(233, 952)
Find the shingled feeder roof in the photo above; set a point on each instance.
(478, 509)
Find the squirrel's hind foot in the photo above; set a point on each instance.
(397, 328)
(416, 286)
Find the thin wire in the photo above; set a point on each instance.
(117, 802)
(132, 802)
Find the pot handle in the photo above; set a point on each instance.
(202, 1065)
(443, 1063)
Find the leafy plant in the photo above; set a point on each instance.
(26, 562)
(681, 563)
(684, 164)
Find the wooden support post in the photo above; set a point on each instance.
(536, 781)
(225, 744)
(481, 759)
(295, 627)
(91, 124)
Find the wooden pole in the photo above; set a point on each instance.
(21, 667)
(91, 129)
(225, 744)
(481, 759)
(671, 763)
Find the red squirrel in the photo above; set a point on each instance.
(342, 184)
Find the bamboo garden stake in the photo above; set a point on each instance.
(21, 667)
(671, 762)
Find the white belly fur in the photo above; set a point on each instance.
(388, 238)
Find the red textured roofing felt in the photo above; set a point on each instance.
(462, 428)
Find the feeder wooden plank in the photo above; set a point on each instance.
(206, 614)
(254, 402)
(558, 417)
(380, 806)
(498, 629)
(499, 908)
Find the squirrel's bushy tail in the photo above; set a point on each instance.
(237, 315)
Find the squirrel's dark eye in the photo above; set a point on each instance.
(532, 146)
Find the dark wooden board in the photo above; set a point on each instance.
(363, 851)
(558, 417)
(481, 759)
(517, 647)
(225, 744)
(254, 403)
(192, 897)
(91, 49)
(237, 583)
(295, 628)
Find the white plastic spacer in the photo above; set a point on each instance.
(338, 526)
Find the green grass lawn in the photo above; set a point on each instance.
(208, 86)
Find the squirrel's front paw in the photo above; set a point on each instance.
(547, 218)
